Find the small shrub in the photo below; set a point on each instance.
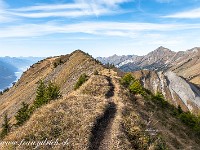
(190, 120)
(40, 95)
(160, 100)
(96, 72)
(179, 109)
(23, 114)
(46, 93)
(5, 127)
(55, 64)
(58, 62)
(82, 79)
(136, 88)
(6, 90)
(52, 91)
(109, 66)
(127, 79)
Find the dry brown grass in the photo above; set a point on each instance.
(70, 118)
(64, 75)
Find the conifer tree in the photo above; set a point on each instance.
(23, 114)
(180, 109)
(127, 80)
(82, 79)
(40, 95)
(52, 91)
(136, 88)
(5, 126)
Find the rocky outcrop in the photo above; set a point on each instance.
(175, 89)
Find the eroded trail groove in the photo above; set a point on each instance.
(111, 91)
(101, 132)
(101, 128)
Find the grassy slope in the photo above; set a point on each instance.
(65, 76)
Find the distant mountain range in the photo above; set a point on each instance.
(184, 63)
(11, 69)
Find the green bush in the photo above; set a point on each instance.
(109, 66)
(6, 90)
(160, 100)
(136, 88)
(179, 109)
(52, 92)
(82, 79)
(127, 79)
(96, 72)
(23, 114)
(55, 64)
(190, 120)
(46, 93)
(40, 95)
(5, 127)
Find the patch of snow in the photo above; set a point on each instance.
(125, 62)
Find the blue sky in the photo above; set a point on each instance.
(99, 27)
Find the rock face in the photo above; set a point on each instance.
(174, 88)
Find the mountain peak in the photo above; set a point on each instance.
(161, 48)
(195, 49)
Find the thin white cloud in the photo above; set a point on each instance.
(3, 14)
(76, 9)
(164, 1)
(191, 14)
(109, 3)
(50, 7)
(93, 28)
(68, 14)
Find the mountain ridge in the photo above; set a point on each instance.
(184, 63)
(101, 114)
